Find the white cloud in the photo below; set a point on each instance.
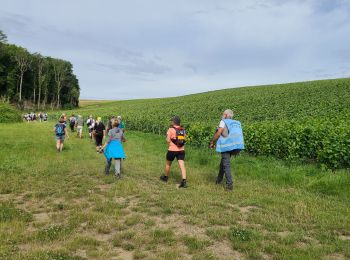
(140, 48)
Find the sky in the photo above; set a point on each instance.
(159, 48)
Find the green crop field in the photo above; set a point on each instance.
(307, 121)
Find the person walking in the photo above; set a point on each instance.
(80, 124)
(72, 122)
(60, 133)
(229, 142)
(90, 123)
(110, 123)
(113, 149)
(176, 149)
(121, 123)
(99, 132)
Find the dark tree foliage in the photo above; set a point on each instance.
(33, 80)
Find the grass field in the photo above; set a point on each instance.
(61, 206)
(89, 102)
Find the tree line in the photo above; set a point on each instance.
(35, 81)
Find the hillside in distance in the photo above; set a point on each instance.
(323, 98)
(305, 120)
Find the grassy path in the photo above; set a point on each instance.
(61, 206)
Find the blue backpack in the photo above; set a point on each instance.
(59, 129)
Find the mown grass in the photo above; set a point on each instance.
(61, 206)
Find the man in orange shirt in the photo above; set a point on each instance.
(175, 139)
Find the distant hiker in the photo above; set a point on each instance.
(72, 122)
(229, 142)
(41, 116)
(90, 123)
(80, 124)
(176, 142)
(45, 117)
(64, 117)
(110, 124)
(99, 132)
(113, 149)
(60, 133)
(121, 123)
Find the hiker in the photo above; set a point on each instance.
(72, 122)
(99, 132)
(64, 118)
(90, 123)
(41, 116)
(121, 123)
(110, 124)
(113, 149)
(45, 117)
(229, 142)
(60, 133)
(80, 124)
(176, 149)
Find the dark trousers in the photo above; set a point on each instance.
(225, 167)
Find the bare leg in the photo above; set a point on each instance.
(167, 168)
(182, 168)
(61, 146)
(58, 145)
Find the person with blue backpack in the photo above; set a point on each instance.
(228, 141)
(60, 130)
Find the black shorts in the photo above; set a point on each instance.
(170, 156)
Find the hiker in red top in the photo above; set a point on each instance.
(176, 141)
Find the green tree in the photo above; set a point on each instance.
(23, 60)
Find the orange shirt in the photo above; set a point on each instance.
(173, 147)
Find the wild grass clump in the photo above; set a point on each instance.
(9, 114)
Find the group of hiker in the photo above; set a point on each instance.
(32, 116)
(227, 140)
(114, 133)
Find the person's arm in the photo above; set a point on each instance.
(216, 137)
(168, 137)
(66, 132)
(108, 139)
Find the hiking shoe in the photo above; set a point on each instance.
(164, 178)
(229, 187)
(118, 175)
(183, 184)
(217, 182)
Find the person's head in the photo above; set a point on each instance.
(98, 119)
(72, 115)
(79, 116)
(119, 117)
(176, 120)
(228, 114)
(90, 116)
(61, 120)
(115, 123)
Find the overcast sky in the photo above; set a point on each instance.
(157, 48)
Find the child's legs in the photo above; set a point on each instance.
(61, 145)
(58, 143)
